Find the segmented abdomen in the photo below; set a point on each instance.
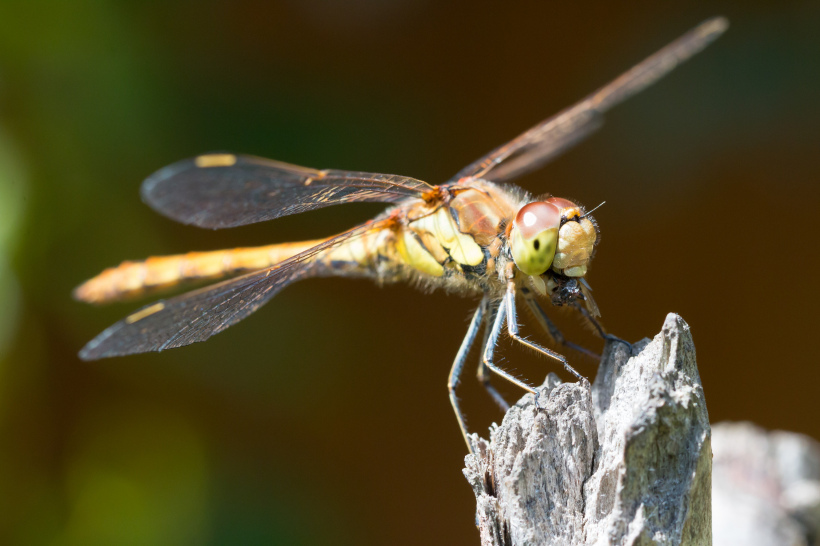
(131, 279)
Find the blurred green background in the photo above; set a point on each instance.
(324, 418)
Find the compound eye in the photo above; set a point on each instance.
(562, 203)
(568, 209)
(535, 237)
(534, 218)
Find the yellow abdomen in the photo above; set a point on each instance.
(131, 279)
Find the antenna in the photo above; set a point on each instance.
(593, 210)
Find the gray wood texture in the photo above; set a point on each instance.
(626, 460)
(766, 487)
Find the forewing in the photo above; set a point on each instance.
(555, 135)
(227, 190)
(197, 315)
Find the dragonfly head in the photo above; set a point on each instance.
(553, 234)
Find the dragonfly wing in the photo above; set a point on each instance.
(227, 190)
(555, 135)
(197, 315)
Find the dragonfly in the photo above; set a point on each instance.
(476, 235)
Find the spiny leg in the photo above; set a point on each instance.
(483, 373)
(512, 328)
(548, 326)
(597, 325)
(489, 348)
(458, 366)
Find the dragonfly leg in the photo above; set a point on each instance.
(489, 349)
(512, 328)
(458, 366)
(549, 327)
(600, 329)
(483, 371)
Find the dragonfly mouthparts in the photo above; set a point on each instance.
(567, 292)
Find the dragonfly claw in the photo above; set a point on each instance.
(538, 407)
(610, 337)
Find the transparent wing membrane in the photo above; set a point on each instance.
(227, 190)
(557, 134)
(197, 315)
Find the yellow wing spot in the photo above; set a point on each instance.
(148, 311)
(308, 181)
(215, 160)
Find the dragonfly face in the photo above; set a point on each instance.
(577, 237)
(553, 241)
(468, 235)
(553, 234)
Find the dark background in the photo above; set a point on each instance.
(324, 418)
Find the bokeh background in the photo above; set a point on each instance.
(324, 418)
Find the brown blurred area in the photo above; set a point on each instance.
(324, 418)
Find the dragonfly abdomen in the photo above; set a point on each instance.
(131, 279)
